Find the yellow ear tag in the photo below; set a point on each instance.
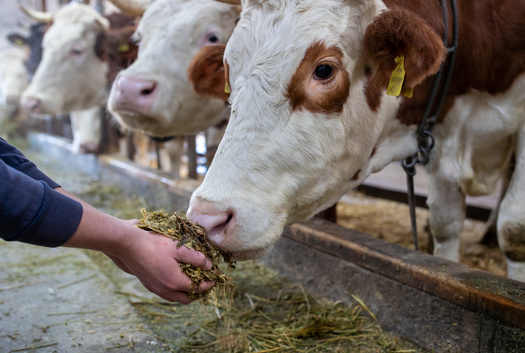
(227, 88)
(395, 86)
(123, 48)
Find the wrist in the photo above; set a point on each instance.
(102, 232)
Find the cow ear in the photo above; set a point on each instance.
(207, 73)
(395, 33)
(17, 39)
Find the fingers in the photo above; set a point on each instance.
(181, 296)
(203, 287)
(176, 297)
(192, 257)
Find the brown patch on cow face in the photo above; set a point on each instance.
(207, 72)
(114, 45)
(320, 84)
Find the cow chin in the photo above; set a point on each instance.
(138, 121)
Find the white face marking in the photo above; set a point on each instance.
(171, 33)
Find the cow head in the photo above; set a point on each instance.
(154, 94)
(70, 75)
(309, 115)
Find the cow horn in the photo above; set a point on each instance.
(132, 7)
(40, 16)
(231, 2)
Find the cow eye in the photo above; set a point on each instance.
(323, 72)
(213, 38)
(76, 52)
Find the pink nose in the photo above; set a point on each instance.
(134, 94)
(31, 104)
(217, 224)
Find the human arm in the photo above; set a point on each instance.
(152, 258)
(34, 209)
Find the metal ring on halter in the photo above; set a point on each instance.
(409, 165)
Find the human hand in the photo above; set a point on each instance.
(154, 259)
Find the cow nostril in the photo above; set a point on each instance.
(218, 232)
(148, 91)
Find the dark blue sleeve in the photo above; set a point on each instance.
(16, 159)
(30, 210)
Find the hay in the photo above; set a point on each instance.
(193, 236)
(272, 314)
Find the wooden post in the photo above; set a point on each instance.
(192, 156)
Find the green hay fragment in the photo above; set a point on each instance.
(193, 236)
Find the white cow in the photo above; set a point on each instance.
(82, 50)
(70, 75)
(13, 81)
(154, 94)
(311, 118)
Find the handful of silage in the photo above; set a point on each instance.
(193, 236)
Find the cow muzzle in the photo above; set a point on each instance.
(236, 227)
(31, 104)
(133, 94)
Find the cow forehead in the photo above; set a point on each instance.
(182, 17)
(73, 22)
(79, 13)
(59, 35)
(272, 37)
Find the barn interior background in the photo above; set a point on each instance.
(143, 168)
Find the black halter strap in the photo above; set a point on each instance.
(424, 131)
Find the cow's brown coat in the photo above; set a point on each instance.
(207, 72)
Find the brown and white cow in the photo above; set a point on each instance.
(311, 118)
(154, 94)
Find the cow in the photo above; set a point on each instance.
(13, 81)
(33, 41)
(311, 117)
(82, 52)
(154, 94)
